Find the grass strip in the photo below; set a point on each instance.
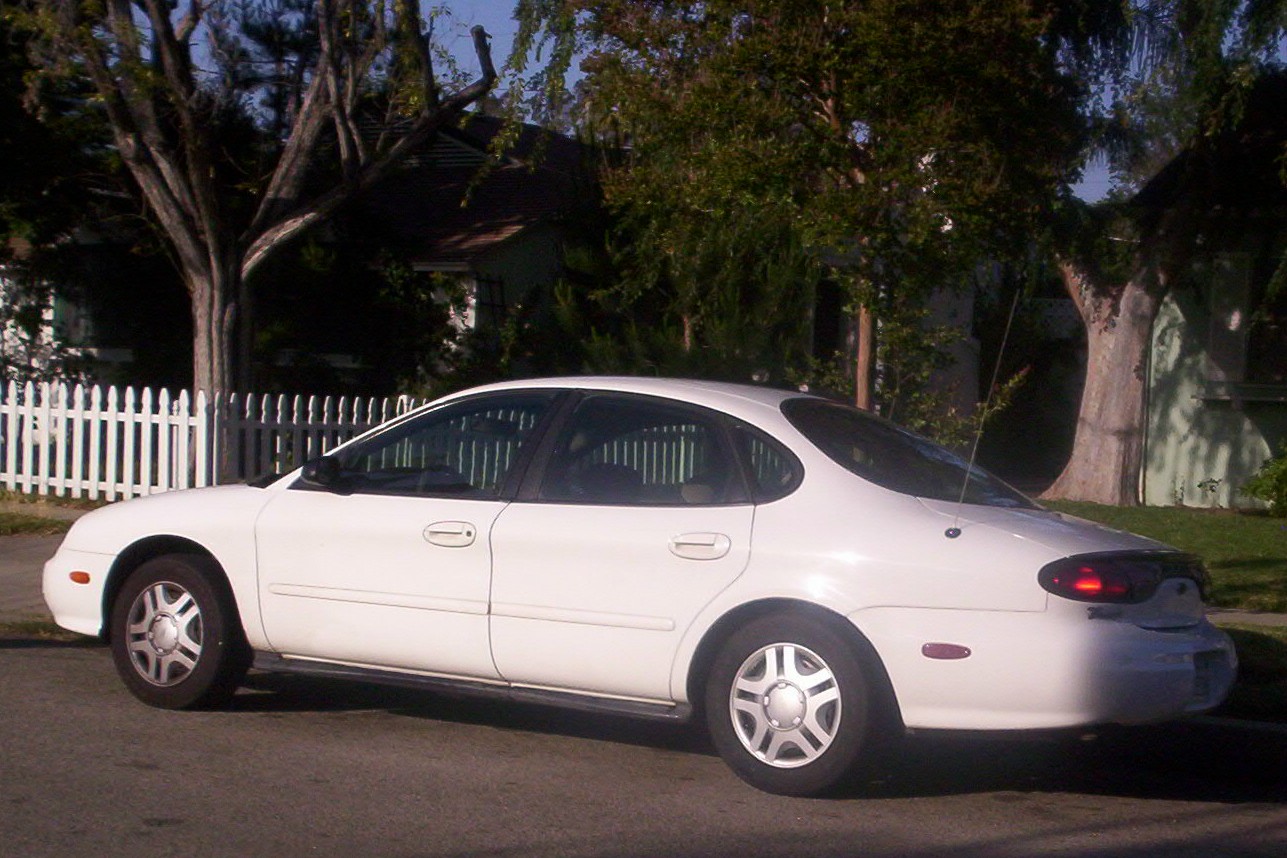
(19, 523)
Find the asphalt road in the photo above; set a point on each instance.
(306, 767)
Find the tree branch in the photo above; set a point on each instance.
(429, 123)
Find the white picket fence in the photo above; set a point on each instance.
(114, 444)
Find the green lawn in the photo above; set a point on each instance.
(12, 523)
(1246, 552)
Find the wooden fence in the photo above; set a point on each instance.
(113, 444)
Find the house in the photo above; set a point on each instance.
(495, 233)
(498, 232)
(1217, 367)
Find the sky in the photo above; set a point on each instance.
(494, 15)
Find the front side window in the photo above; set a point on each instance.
(630, 450)
(893, 458)
(462, 450)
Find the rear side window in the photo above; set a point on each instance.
(643, 452)
(893, 458)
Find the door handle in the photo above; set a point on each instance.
(700, 546)
(451, 534)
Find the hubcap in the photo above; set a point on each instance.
(164, 633)
(785, 705)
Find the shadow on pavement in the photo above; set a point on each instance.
(1186, 761)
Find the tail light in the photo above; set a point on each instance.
(1120, 577)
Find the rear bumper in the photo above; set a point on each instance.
(1154, 675)
(1038, 670)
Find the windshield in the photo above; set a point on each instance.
(893, 458)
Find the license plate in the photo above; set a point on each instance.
(1205, 665)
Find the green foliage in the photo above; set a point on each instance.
(897, 142)
(1270, 483)
(17, 523)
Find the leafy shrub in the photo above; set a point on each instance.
(1270, 483)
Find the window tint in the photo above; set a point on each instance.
(627, 450)
(774, 470)
(463, 450)
(894, 458)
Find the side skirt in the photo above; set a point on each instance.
(273, 663)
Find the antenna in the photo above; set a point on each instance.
(955, 530)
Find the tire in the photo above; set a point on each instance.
(175, 635)
(790, 704)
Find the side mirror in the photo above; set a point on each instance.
(324, 472)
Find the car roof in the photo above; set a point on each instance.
(722, 395)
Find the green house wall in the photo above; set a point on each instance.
(1207, 435)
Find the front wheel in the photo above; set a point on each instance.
(176, 638)
(789, 705)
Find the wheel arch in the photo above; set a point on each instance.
(704, 656)
(141, 552)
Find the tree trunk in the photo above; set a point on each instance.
(865, 351)
(212, 327)
(1108, 447)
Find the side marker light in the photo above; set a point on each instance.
(945, 651)
(79, 577)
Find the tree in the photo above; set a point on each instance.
(1206, 75)
(904, 140)
(43, 195)
(371, 96)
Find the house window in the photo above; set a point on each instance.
(1229, 299)
(1267, 340)
(489, 303)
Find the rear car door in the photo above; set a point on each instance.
(641, 516)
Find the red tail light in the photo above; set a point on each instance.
(1123, 577)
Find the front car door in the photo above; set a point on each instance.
(389, 563)
(640, 518)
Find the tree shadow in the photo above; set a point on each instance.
(1250, 564)
(22, 641)
(1181, 761)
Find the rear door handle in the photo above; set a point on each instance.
(700, 546)
(451, 534)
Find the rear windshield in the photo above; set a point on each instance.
(892, 457)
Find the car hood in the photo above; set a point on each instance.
(1062, 534)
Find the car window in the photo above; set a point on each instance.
(631, 450)
(462, 450)
(775, 471)
(889, 456)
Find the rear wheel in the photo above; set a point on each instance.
(789, 705)
(176, 638)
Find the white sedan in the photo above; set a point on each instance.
(811, 579)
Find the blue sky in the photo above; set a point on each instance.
(494, 15)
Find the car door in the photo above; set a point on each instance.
(388, 563)
(641, 517)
